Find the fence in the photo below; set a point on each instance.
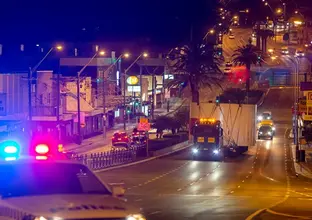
(111, 158)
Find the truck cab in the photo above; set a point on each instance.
(208, 138)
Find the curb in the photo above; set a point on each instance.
(143, 161)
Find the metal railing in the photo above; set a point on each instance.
(111, 158)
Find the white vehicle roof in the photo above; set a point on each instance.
(88, 199)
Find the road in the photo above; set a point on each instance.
(176, 187)
(230, 45)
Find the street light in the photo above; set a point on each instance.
(279, 11)
(101, 53)
(144, 54)
(211, 31)
(247, 10)
(30, 75)
(126, 55)
(235, 17)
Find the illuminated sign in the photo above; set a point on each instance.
(132, 80)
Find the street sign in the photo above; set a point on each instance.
(144, 120)
(307, 117)
(309, 98)
(302, 106)
(144, 126)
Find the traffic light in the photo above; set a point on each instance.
(217, 99)
(136, 102)
(128, 110)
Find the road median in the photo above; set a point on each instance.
(122, 158)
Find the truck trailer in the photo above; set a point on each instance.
(227, 128)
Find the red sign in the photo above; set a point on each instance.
(144, 126)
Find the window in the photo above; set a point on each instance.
(1, 109)
(49, 98)
(41, 99)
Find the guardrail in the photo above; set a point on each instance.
(111, 158)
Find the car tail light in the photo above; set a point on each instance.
(42, 149)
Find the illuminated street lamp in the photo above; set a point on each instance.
(125, 55)
(266, 3)
(247, 10)
(145, 55)
(235, 17)
(296, 12)
(279, 11)
(100, 53)
(211, 31)
(30, 75)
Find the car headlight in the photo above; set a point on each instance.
(260, 118)
(215, 151)
(260, 132)
(269, 133)
(136, 217)
(195, 150)
(273, 128)
(302, 54)
(269, 118)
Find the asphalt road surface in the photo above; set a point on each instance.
(261, 184)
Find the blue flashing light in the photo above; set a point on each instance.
(9, 150)
(10, 158)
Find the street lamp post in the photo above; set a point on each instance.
(78, 93)
(125, 82)
(30, 75)
(104, 92)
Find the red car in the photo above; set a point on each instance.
(121, 139)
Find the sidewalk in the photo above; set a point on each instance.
(303, 168)
(97, 141)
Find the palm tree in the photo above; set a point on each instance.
(246, 56)
(265, 34)
(196, 65)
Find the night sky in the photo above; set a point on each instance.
(157, 22)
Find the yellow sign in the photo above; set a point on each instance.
(211, 140)
(200, 139)
(132, 80)
(144, 120)
(303, 105)
(309, 98)
(307, 117)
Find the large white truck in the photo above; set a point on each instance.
(238, 123)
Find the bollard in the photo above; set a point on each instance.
(301, 155)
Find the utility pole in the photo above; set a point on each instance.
(58, 106)
(104, 106)
(78, 109)
(30, 97)
(141, 92)
(124, 100)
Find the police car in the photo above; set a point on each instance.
(33, 188)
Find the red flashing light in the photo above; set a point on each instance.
(42, 149)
